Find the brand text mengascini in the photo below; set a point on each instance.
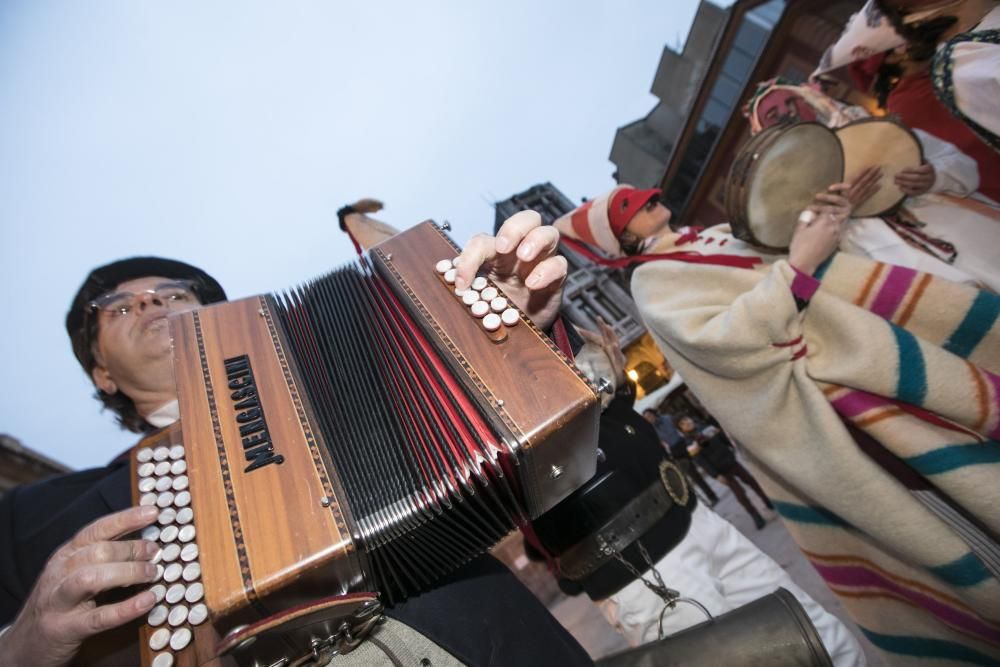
(257, 445)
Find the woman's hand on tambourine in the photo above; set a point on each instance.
(61, 612)
(817, 234)
(522, 261)
(915, 181)
(862, 188)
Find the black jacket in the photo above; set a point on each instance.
(481, 614)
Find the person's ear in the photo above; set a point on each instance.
(102, 379)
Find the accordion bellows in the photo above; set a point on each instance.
(365, 432)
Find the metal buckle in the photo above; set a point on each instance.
(350, 633)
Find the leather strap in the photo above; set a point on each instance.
(589, 554)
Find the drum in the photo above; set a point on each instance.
(773, 631)
(778, 172)
(884, 143)
(775, 176)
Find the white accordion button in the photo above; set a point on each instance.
(180, 639)
(186, 533)
(479, 283)
(168, 534)
(189, 552)
(171, 552)
(157, 557)
(185, 515)
(194, 592)
(198, 614)
(489, 294)
(459, 292)
(498, 304)
(182, 499)
(163, 660)
(491, 322)
(157, 615)
(470, 296)
(510, 317)
(159, 573)
(480, 308)
(175, 593)
(178, 615)
(178, 467)
(176, 452)
(161, 453)
(147, 499)
(164, 500)
(191, 571)
(159, 591)
(163, 483)
(443, 266)
(180, 483)
(162, 468)
(159, 639)
(172, 572)
(143, 455)
(146, 484)
(449, 276)
(146, 469)
(151, 533)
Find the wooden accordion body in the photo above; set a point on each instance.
(365, 433)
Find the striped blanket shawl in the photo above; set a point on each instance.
(873, 418)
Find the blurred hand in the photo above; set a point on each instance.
(367, 205)
(522, 261)
(863, 187)
(916, 180)
(61, 612)
(608, 340)
(818, 231)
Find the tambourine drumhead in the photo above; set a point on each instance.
(883, 143)
(785, 175)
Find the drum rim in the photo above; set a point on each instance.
(739, 223)
(883, 119)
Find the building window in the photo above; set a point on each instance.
(732, 78)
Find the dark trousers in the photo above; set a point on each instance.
(732, 476)
(690, 470)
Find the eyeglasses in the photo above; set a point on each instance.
(120, 304)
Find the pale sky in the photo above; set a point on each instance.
(227, 134)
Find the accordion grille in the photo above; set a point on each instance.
(419, 463)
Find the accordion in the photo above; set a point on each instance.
(345, 443)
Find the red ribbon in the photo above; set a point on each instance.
(736, 261)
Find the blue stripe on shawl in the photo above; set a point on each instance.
(806, 514)
(926, 647)
(912, 384)
(975, 325)
(953, 457)
(822, 269)
(965, 571)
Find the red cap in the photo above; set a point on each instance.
(625, 203)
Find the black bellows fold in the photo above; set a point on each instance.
(419, 469)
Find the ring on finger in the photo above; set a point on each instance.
(807, 217)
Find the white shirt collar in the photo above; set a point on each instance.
(165, 415)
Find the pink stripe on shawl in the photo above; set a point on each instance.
(855, 403)
(893, 291)
(858, 576)
(994, 380)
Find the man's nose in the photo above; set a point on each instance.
(149, 299)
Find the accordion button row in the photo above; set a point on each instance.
(179, 592)
(484, 300)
